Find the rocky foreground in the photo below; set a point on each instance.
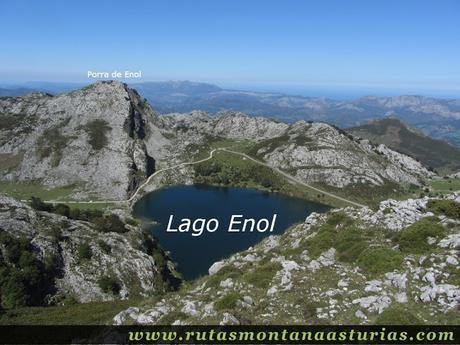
(48, 258)
(399, 264)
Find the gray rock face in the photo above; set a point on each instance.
(393, 214)
(320, 153)
(102, 139)
(52, 235)
(234, 125)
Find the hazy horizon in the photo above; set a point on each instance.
(337, 92)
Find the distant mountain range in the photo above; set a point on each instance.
(438, 118)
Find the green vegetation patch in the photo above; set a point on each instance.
(414, 239)
(396, 135)
(9, 121)
(9, 161)
(448, 208)
(445, 184)
(368, 194)
(25, 190)
(84, 251)
(104, 222)
(97, 132)
(262, 276)
(95, 313)
(225, 272)
(52, 143)
(397, 315)
(380, 260)
(105, 247)
(24, 279)
(269, 146)
(14, 125)
(322, 241)
(342, 233)
(227, 302)
(168, 319)
(109, 284)
(227, 169)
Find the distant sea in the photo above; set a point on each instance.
(342, 92)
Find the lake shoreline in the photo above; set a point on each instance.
(192, 206)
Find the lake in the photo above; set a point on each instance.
(195, 254)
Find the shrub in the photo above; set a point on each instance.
(339, 219)
(168, 319)
(132, 221)
(52, 144)
(97, 132)
(105, 247)
(110, 223)
(24, 279)
(14, 249)
(54, 231)
(109, 284)
(349, 243)
(62, 210)
(39, 205)
(449, 208)
(338, 232)
(84, 251)
(322, 241)
(159, 259)
(379, 260)
(414, 239)
(15, 292)
(9, 122)
(50, 262)
(225, 272)
(86, 215)
(263, 275)
(227, 302)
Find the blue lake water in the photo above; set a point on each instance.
(195, 254)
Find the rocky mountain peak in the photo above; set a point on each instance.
(102, 138)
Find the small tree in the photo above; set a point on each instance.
(84, 251)
(39, 205)
(109, 285)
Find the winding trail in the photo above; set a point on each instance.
(170, 168)
(211, 155)
(293, 178)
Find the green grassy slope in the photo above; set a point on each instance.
(437, 154)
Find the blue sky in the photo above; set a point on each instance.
(391, 45)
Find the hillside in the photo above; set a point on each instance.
(396, 135)
(103, 141)
(315, 153)
(396, 265)
(98, 142)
